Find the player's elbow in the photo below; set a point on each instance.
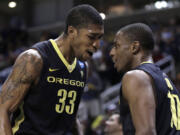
(146, 131)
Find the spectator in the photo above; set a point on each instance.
(113, 125)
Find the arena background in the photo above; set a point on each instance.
(25, 22)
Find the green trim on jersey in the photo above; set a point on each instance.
(19, 119)
(69, 67)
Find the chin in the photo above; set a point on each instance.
(83, 59)
(118, 70)
(121, 70)
(117, 67)
(86, 58)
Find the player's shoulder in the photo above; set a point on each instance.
(136, 76)
(30, 55)
(136, 80)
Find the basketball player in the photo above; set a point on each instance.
(113, 125)
(47, 81)
(149, 102)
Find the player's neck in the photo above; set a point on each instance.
(141, 59)
(64, 46)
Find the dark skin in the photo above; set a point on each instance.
(138, 91)
(27, 68)
(137, 86)
(25, 72)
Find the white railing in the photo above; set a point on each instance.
(169, 68)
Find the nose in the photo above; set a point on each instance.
(96, 44)
(112, 52)
(106, 123)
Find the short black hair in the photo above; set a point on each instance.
(139, 32)
(81, 16)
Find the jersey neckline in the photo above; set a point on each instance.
(145, 62)
(70, 67)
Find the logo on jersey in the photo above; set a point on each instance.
(81, 64)
(65, 81)
(82, 73)
(53, 69)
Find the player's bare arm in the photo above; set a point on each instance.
(137, 87)
(25, 72)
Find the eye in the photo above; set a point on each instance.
(91, 37)
(100, 37)
(115, 46)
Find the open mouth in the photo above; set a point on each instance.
(90, 53)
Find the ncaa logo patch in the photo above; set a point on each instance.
(81, 64)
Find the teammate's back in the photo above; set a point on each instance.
(167, 103)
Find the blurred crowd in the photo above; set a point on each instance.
(15, 39)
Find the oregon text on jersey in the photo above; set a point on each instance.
(52, 79)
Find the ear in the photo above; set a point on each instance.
(72, 32)
(135, 47)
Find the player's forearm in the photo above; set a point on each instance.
(5, 126)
